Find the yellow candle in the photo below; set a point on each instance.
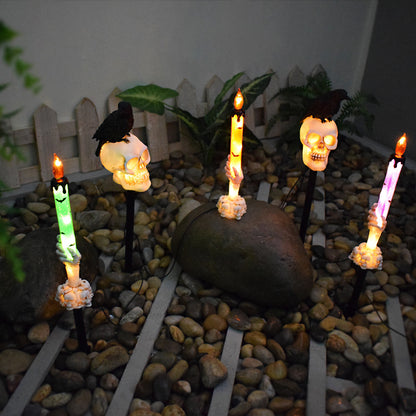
(236, 145)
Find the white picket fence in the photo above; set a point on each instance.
(163, 134)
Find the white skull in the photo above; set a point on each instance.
(127, 160)
(318, 139)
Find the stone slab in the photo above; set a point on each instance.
(36, 373)
(221, 396)
(317, 379)
(401, 357)
(124, 394)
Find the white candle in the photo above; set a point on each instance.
(390, 181)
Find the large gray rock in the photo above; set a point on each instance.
(34, 299)
(260, 257)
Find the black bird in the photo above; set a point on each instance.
(327, 105)
(115, 126)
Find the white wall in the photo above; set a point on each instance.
(390, 74)
(86, 48)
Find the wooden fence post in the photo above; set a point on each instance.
(113, 100)
(157, 137)
(271, 106)
(212, 89)
(317, 70)
(87, 123)
(296, 77)
(47, 139)
(186, 100)
(9, 174)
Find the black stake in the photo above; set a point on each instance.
(308, 203)
(130, 198)
(351, 306)
(80, 327)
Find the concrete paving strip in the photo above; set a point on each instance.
(316, 394)
(399, 348)
(221, 395)
(315, 398)
(124, 394)
(398, 342)
(263, 192)
(36, 373)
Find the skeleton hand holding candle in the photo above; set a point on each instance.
(233, 206)
(368, 255)
(235, 176)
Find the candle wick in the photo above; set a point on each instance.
(398, 159)
(239, 113)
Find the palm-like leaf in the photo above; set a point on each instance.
(148, 97)
(193, 123)
(218, 112)
(252, 89)
(227, 86)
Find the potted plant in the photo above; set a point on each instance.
(209, 129)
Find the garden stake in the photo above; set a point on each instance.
(126, 157)
(129, 228)
(75, 293)
(368, 255)
(319, 136)
(308, 203)
(352, 304)
(80, 327)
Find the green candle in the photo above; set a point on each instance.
(63, 208)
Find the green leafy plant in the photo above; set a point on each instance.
(296, 99)
(207, 130)
(12, 56)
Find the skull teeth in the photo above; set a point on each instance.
(318, 156)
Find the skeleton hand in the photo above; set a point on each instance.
(75, 255)
(235, 176)
(374, 220)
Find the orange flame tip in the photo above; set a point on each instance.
(58, 167)
(401, 146)
(238, 100)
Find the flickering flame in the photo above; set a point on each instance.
(401, 146)
(58, 167)
(238, 100)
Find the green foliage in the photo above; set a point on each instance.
(12, 57)
(207, 130)
(148, 97)
(355, 108)
(295, 101)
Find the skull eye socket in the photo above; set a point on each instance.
(314, 138)
(330, 140)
